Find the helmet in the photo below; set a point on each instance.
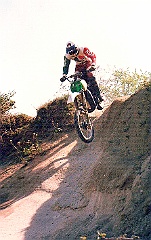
(71, 48)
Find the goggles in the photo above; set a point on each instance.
(72, 52)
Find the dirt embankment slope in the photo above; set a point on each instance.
(77, 188)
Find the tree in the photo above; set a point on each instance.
(6, 103)
(123, 82)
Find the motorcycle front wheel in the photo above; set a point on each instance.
(84, 126)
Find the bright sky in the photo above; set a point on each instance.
(33, 35)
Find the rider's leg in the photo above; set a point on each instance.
(92, 84)
(93, 87)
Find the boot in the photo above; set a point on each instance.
(98, 101)
(100, 98)
(99, 107)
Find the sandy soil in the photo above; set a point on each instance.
(54, 201)
(76, 188)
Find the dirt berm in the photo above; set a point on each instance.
(78, 188)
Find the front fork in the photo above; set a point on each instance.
(80, 102)
(81, 105)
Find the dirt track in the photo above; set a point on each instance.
(58, 200)
(78, 188)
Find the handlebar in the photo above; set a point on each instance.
(75, 75)
(79, 74)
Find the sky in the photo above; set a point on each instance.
(34, 33)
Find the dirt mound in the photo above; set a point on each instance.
(77, 188)
(117, 185)
(123, 170)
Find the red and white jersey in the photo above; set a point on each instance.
(84, 55)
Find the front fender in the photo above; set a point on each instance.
(71, 97)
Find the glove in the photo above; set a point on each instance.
(63, 78)
(91, 68)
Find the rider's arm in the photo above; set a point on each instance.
(90, 55)
(66, 65)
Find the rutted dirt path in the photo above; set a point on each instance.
(76, 188)
(59, 197)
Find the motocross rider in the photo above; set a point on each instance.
(85, 60)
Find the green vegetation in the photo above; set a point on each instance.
(103, 236)
(123, 82)
(6, 102)
(21, 135)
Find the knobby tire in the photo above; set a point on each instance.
(83, 123)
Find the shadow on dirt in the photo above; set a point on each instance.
(26, 179)
(67, 207)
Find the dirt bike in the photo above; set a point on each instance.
(84, 104)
